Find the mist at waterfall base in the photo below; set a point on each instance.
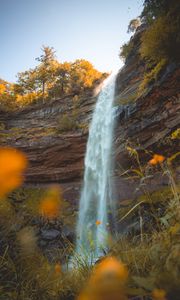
(96, 203)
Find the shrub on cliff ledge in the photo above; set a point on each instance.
(133, 25)
(161, 40)
(125, 50)
(67, 123)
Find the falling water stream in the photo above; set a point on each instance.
(95, 201)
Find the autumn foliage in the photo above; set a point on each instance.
(50, 79)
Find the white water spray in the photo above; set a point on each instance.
(92, 228)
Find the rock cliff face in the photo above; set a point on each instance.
(54, 155)
(146, 119)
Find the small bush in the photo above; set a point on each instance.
(125, 50)
(133, 25)
(2, 126)
(151, 76)
(67, 123)
(161, 40)
(176, 134)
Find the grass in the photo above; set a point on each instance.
(151, 256)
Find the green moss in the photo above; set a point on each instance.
(127, 100)
(151, 76)
(130, 207)
(160, 196)
(161, 40)
(27, 199)
(175, 135)
(126, 49)
(67, 123)
(2, 126)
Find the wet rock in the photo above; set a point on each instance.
(68, 232)
(50, 234)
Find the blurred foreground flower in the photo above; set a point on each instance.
(107, 281)
(50, 205)
(110, 265)
(12, 166)
(98, 222)
(159, 294)
(157, 159)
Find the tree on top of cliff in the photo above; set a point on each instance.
(45, 72)
(38, 79)
(133, 25)
(7, 95)
(48, 55)
(159, 38)
(152, 9)
(50, 79)
(83, 75)
(155, 8)
(62, 82)
(75, 77)
(162, 39)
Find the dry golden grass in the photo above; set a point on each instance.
(146, 265)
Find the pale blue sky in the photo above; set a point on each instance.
(93, 30)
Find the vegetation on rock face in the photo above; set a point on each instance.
(160, 42)
(160, 39)
(155, 8)
(126, 50)
(67, 123)
(50, 79)
(152, 76)
(133, 25)
(7, 96)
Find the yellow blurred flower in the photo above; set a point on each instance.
(107, 281)
(12, 166)
(98, 222)
(159, 294)
(50, 205)
(157, 159)
(110, 265)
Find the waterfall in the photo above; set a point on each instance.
(95, 201)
